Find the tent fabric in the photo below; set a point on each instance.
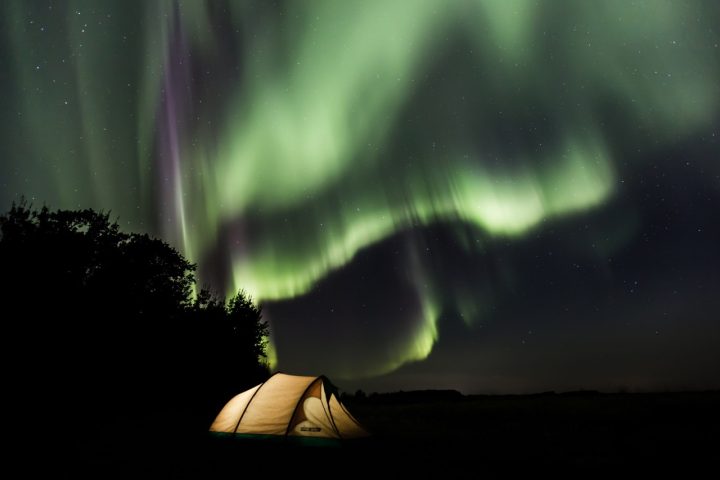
(289, 405)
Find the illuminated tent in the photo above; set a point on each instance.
(289, 405)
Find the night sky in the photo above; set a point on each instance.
(499, 196)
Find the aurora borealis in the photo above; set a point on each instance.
(489, 195)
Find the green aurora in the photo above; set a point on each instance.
(288, 137)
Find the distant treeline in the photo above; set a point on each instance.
(413, 396)
(446, 396)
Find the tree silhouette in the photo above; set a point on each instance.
(106, 321)
(230, 341)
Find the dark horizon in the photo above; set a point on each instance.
(492, 197)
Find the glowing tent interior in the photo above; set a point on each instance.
(289, 405)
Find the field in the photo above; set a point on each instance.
(575, 429)
(427, 431)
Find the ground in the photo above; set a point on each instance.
(427, 431)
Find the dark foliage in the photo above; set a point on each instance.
(106, 331)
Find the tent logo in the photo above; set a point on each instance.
(310, 429)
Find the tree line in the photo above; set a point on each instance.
(101, 326)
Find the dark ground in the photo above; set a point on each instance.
(429, 431)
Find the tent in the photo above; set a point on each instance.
(289, 405)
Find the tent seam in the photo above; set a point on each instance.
(237, 425)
